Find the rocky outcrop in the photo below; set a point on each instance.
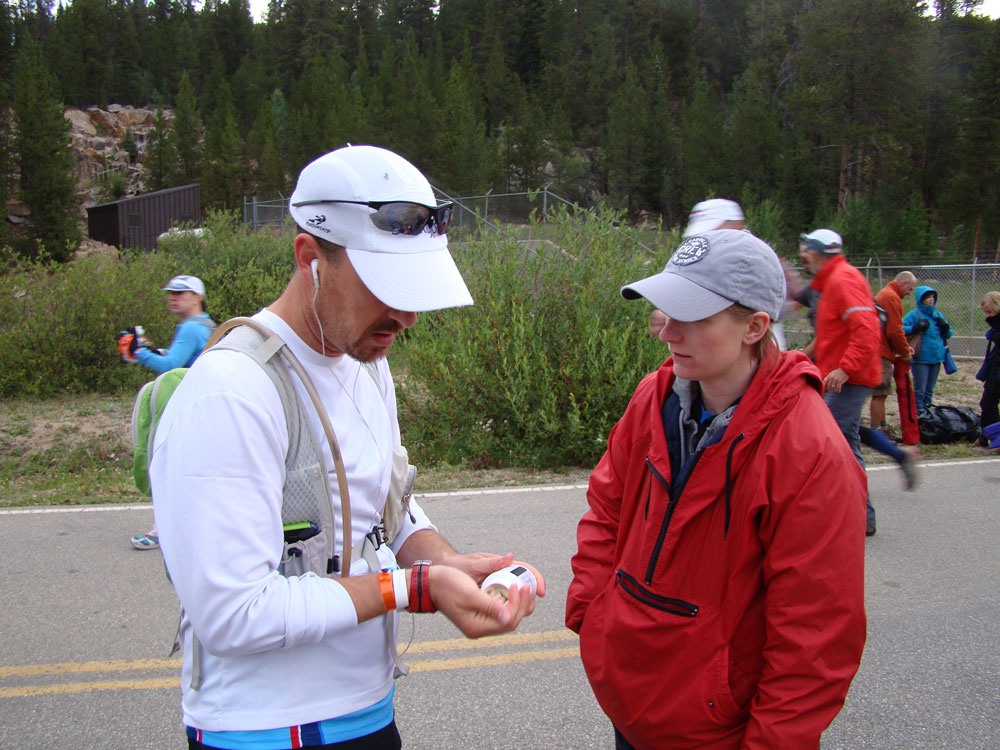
(97, 136)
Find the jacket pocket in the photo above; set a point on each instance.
(633, 588)
(659, 665)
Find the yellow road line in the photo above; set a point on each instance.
(512, 640)
(88, 687)
(73, 667)
(433, 665)
(494, 660)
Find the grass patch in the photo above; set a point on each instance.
(76, 450)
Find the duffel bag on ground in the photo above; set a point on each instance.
(948, 424)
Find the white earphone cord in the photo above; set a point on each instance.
(322, 338)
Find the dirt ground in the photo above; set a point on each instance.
(37, 437)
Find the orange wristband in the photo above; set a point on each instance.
(388, 593)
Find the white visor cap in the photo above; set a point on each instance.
(412, 273)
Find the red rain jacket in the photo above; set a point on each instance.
(731, 616)
(848, 334)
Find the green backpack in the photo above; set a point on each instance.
(146, 415)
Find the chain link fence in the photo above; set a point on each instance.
(473, 213)
(959, 288)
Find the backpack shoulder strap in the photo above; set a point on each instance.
(266, 348)
(205, 321)
(397, 499)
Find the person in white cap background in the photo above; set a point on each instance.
(186, 300)
(848, 342)
(715, 213)
(718, 583)
(306, 660)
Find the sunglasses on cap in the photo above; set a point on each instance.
(400, 217)
(815, 245)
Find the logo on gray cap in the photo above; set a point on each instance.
(690, 251)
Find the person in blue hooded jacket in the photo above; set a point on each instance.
(936, 330)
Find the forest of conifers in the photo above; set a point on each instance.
(878, 117)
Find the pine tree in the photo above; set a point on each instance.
(186, 134)
(8, 161)
(223, 179)
(263, 150)
(160, 154)
(459, 160)
(46, 158)
(856, 62)
(978, 190)
(702, 146)
(8, 154)
(625, 143)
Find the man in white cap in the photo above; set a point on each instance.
(847, 347)
(715, 213)
(187, 302)
(307, 660)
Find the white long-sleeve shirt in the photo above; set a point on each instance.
(276, 651)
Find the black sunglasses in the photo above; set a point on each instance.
(400, 217)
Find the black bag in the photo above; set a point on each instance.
(948, 424)
(883, 314)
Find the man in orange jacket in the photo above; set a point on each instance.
(848, 337)
(895, 347)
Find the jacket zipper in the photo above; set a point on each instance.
(663, 526)
(668, 514)
(649, 494)
(729, 466)
(663, 603)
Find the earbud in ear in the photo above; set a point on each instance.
(315, 265)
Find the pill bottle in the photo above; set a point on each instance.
(498, 583)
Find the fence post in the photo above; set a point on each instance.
(972, 307)
(486, 206)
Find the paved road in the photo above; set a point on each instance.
(87, 623)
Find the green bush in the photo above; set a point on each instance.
(242, 270)
(535, 374)
(58, 322)
(541, 367)
(767, 221)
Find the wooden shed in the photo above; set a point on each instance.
(136, 222)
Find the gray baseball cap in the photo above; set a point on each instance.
(712, 271)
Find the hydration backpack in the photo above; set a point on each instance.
(306, 510)
(306, 502)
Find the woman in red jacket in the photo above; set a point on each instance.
(718, 585)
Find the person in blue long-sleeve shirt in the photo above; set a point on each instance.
(187, 302)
